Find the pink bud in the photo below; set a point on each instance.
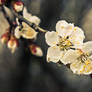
(13, 43)
(2, 2)
(5, 38)
(18, 6)
(36, 50)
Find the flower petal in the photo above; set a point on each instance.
(87, 47)
(70, 56)
(29, 33)
(63, 28)
(35, 20)
(17, 21)
(53, 54)
(17, 32)
(60, 25)
(51, 38)
(77, 67)
(88, 68)
(77, 37)
(28, 16)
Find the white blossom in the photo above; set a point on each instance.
(82, 62)
(63, 40)
(29, 17)
(26, 32)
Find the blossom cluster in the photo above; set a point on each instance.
(67, 46)
(26, 31)
(21, 30)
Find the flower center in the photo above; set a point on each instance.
(64, 43)
(83, 57)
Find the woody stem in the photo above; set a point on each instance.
(34, 26)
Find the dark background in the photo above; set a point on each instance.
(23, 72)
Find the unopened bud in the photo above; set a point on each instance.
(13, 44)
(36, 50)
(18, 6)
(5, 38)
(2, 2)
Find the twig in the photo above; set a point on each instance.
(34, 26)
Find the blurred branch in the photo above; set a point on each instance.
(5, 15)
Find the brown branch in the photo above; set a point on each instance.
(34, 26)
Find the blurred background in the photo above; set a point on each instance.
(23, 72)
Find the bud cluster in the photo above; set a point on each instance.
(20, 30)
(10, 40)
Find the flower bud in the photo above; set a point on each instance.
(18, 6)
(5, 38)
(2, 2)
(13, 44)
(36, 50)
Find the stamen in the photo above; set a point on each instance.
(87, 62)
(84, 58)
(83, 68)
(64, 43)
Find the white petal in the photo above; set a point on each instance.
(35, 20)
(51, 38)
(61, 24)
(88, 68)
(17, 21)
(68, 29)
(82, 67)
(29, 33)
(26, 14)
(17, 32)
(77, 37)
(53, 54)
(70, 56)
(87, 47)
(63, 28)
(25, 25)
(77, 67)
